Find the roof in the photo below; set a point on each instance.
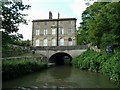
(60, 19)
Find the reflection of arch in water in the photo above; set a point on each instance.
(60, 58)
(61, 72)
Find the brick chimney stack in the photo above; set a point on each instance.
(50, 15)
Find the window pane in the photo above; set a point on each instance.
(61, 42)
(45, 42)
(69, 41)
(53, 42)
(45, 31)
(61, 31)
(37, 32)
(53, 31)
(37, 42)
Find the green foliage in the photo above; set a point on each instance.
(107, 64)
(12, 16)
(23, 43)
(12, 69)
(100, 25)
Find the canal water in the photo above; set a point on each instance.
(61, 77)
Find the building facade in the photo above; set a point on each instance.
(54, 32)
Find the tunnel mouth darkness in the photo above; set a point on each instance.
(60, 58)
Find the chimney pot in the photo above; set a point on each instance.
(50, 15)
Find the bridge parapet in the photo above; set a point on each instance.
(55, 48)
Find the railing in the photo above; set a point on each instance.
(59, 47)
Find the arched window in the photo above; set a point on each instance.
(61, 42)
(37, 42)
(53, 42)
(45, 42)
(69, 41)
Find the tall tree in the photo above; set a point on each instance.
(11, 18)
(104, 30)
(101, 23)
(88, 14)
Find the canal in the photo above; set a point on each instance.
(61, 77)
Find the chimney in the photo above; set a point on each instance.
(58, 15)
(50, 15)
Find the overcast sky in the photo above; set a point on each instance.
(40, 10)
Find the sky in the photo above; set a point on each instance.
(40, 10)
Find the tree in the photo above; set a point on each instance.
(101, 23)
(106, 24)
(87, 15)
(11, 18)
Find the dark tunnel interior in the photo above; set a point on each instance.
(60, 59)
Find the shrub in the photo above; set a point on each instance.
(107, 64)
(12, 68)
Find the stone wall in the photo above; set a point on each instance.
(55, 48)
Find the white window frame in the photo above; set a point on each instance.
(45, 31)
(53, 42)
(45, 42)
(37, 43)
(70, 43)
(37, 32)
(53, 31)
(61, 31)
(62, 42)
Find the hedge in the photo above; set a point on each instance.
(15, 68)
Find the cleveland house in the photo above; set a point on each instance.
(54, 32)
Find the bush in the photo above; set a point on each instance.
(12, 68)
(107, 64)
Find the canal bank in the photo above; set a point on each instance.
(61, 77)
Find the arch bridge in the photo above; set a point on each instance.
(58, 54)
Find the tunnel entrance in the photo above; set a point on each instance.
(60, 58)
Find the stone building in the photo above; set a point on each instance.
(54, 32)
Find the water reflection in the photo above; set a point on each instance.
(60, 72)
(61, 77)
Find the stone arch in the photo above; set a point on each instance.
(60, 58)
